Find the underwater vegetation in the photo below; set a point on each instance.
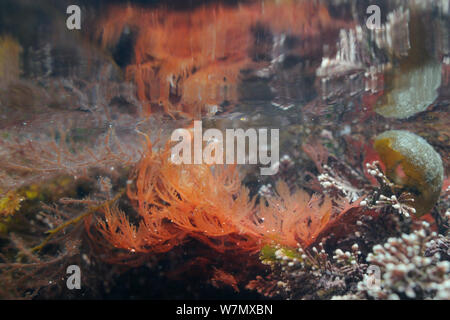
(412, 267)
(176, 202)
(362, 185)
(169, 206)
(209, 203)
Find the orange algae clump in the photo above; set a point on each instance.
(176, 203)
(412, 163)
(293, 219)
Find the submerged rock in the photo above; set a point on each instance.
(413, 163)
